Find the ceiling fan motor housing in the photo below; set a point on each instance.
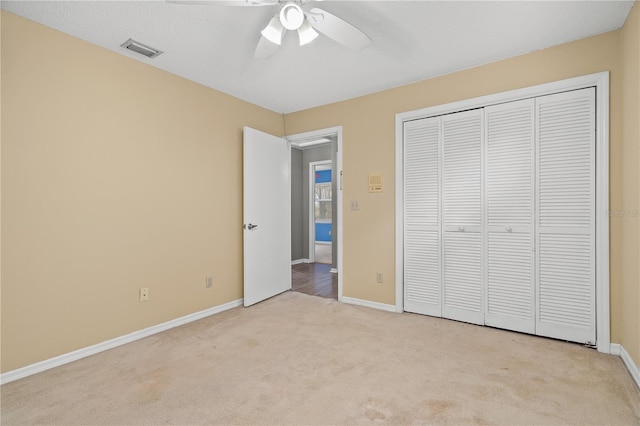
(291, 16)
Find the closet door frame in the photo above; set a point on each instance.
(601, 83)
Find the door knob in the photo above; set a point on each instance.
(508, 229)
(250, 226)
(461, 228)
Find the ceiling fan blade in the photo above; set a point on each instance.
(338, 29)
(225, 2)
(265, 48)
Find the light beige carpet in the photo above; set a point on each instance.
(298, 359)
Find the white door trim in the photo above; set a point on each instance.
(312, 217)
(337, 169)
(598, 80)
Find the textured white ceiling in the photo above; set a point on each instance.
(412, 40)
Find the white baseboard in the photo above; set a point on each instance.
(298, 261)
(617, 349)
(38, 367)
(334, 270)
(369, 304)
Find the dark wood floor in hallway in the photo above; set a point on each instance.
(314, 279)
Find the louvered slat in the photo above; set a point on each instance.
(462, 177)
(566, 148)
(509, 144)
(509, 203)
(510, 289)
(565, 271)
(463, 277)
(422, 271)
(421, 173)
(566, 216)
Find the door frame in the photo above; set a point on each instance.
(312, 216)
(598, 80)
(337, 170)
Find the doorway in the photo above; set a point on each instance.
(320, 212)
(316, 212)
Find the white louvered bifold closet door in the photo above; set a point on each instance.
(463, 258)
(565, 232)
(422, 260)
(509, 198)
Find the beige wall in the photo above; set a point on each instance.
(115, 176)
(630, 288)
(369, 138)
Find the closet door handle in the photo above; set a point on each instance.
(508, 229)
(461, 228)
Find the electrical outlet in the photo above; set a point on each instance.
(355, 205)
(379, 277)
(209, 282)
(144, 294)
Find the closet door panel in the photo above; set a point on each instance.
(463, 293)
(463, 272)
(565, 287)
(509, 196)
(510, 290)
(422, 245)
(462, 170)
(566, 216)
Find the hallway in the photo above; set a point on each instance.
(314, 279)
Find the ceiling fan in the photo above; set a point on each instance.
(290, 16)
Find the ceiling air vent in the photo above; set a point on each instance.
(140, 48)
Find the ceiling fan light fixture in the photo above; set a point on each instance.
(291, 16)
(306, 33)
(273, 31)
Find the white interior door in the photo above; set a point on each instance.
(267, 216)
(509, 183)
(422, 242)
(462, 181)
(566, 216)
